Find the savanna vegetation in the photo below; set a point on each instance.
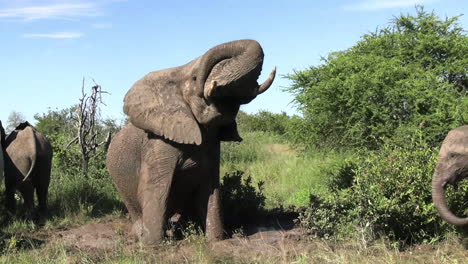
(354, 167)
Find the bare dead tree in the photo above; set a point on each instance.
(86, 118)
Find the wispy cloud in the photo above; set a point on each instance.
(58, 35)
(385, 4)
(56, 11)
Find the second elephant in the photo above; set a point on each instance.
(28, 161)
(452, 167)
(2, 150)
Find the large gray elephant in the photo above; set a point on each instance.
(166, 161)
(28, 161)
(452, 167)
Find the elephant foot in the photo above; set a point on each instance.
(150, 239)
(143, 235)
(214, 234)
(41, 216)
(137, 229)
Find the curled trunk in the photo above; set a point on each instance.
(246, 59)
(248, 54)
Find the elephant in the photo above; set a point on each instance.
(452, 167)
(2, 150)
(165, 161)
(28, 161)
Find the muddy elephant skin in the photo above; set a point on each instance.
(165, 162)
(452, 167)
(28, 161)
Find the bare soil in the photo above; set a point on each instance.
(110, 232)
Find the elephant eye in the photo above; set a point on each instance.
(453, 155)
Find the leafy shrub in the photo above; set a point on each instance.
(412, 72)
(264, 121)
(390, 196)
(242, 202)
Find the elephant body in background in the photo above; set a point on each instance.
(28, 162)
(452, 167)
(166, 161)
(2, 150)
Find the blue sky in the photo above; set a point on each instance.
(48, 46)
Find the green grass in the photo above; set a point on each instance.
(290, 175)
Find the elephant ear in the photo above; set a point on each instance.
(229, 133)
(158, 107)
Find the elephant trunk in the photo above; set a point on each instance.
(246, 59)
(438, 196)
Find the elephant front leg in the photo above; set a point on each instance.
(214, 218)
(153, 191)
(154, 214)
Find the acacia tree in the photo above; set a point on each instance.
(412, 73)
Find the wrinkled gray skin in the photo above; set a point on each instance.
(28, 160)
(166, 161)
(452, 167)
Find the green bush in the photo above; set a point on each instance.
(390, 196)
(264, 121)
(412, 72)
(242, 202)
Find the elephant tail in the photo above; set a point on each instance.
(30, 169)
(34, 156)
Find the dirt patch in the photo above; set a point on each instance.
(101, 236)
(109, 234)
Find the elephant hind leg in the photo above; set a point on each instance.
(41, 193)
(27, 191)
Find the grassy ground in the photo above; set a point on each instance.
(289, 174)
(289, 177)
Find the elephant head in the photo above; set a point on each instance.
(452, 167)
(189, 103)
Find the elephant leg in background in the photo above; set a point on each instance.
(42, 187)
(155, 182)
(27, 191)
(10, 189)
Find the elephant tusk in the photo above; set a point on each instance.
(210, 90)
(265, 85)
